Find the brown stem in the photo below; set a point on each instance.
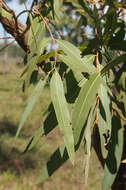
(14, 27)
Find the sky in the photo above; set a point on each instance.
(14, 5)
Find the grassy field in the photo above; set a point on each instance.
(18, 171)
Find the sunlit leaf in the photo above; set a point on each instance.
(87, 136)
(115, 148)
(32, 100)
(83, 104)
(36, 34)
(47, 56)
(113, 63)
(107, 87)
(62, 112)
(73, 58)
(104, 121)
(61, 155)
(57, 9)
(32, 59)
(48, 125)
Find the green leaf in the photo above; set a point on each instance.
(122, 81)
(62, 112)
(89, 60)
(48, 125)
(34, 139)
(115, 148)
(72, 88)
(35, 24)
(32, 100)
(32, 59)
(82, 82)
(107, 87)
(69, 48)
(47, 56)
(73, 58)
(56, 160)
(87, 135)
(5, 14)
(104, 122)
(57, 9)
(36, 34)
(83, 104)
(114, 62)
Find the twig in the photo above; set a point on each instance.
(6, 37)
(24, 11)
(120, 115)
(97, 103)
(55, 27)
(36, 11)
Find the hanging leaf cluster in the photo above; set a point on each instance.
(87, 82)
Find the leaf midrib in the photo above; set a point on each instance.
(59, 102)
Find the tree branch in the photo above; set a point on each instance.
(14, 27)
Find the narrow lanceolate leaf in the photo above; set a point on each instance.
(89, 60)
(35, 24)
(57, 8)
(113, 63)
(87, 135)
(62, 113)
(47, 56)
(32, 100)
(36, 34)
(73, 58)
(83, 104)
(61, 154)
(34, 139)
(104, 119)
(107, 87)
(115, 148)
(48, 125)
(32, 59)
(58, 158)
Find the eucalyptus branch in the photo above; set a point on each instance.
(14, 27)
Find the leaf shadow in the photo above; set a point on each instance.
(111, 161)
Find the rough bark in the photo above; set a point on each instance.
(14, 27)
